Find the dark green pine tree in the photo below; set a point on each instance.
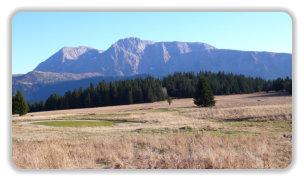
(87, 100)
(203, 96)
(130, 97)
(150, 95)
(53, 102)
(19, 106)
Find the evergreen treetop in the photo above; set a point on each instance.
(203, 96)
(19, 106)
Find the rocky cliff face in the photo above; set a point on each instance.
(133, 56)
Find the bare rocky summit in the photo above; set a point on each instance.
(133, 56)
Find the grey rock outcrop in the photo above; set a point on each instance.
(133, 56)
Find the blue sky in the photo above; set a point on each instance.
(38, 35)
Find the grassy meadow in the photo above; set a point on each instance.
(249, 131)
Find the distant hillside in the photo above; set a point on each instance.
(34, 77)
(37, 86)
(133, 56)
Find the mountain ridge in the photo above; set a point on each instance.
(131, 56)
(72, 67)
(34, 77)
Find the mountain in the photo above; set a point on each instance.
(133, 56)
(70, 68)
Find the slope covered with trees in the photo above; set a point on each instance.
(145, 90)
(106, 94)
(183, 85)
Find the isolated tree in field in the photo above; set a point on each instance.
(169, 99)
(203, 95)
(19, 106)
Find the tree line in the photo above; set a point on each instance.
(177, 85)
(105, 94)
(183, 85)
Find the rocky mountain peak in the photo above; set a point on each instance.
(132, 56)
(72, 53)
(132, 44)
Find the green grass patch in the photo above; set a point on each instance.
(264, 126)
(115, 118)
(283, 126)
(75, 123)
(96, 116)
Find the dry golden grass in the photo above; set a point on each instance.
(242, 131)
(175, 151)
